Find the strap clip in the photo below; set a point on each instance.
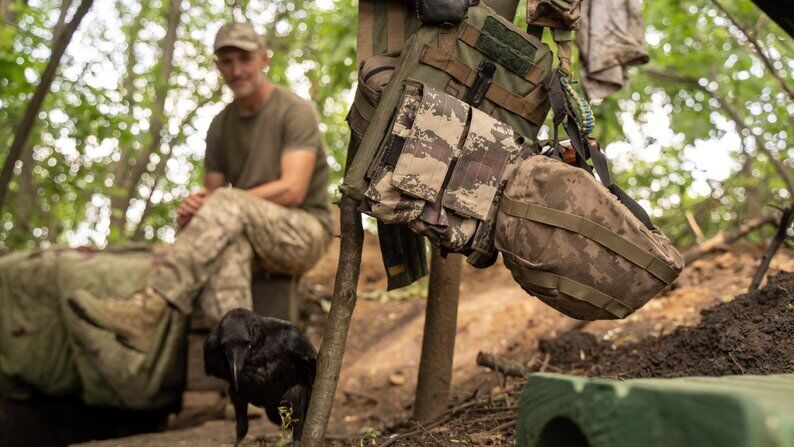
(482, 83)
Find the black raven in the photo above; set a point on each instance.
(267, 362)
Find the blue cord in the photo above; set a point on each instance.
(585, 114)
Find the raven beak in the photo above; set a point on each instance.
(236, 361)
(234, 370)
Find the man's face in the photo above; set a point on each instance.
(242, 70)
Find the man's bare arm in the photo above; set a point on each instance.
(291, 188)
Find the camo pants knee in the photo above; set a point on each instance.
(214, 253)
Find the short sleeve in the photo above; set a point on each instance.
(213, 157)
(301, 128)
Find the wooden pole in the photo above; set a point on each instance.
(780, 236)
(332, 350)
(438, 341)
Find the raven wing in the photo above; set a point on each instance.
(302, 354)
(214, 359)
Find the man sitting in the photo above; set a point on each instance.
(266, 146)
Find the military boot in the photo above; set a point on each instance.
(135, 319)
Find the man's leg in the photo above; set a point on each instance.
(197, 253)
(230, 286)
(184, 270)
(288, 240)
(285, 240)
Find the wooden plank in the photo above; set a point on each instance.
(735, 411)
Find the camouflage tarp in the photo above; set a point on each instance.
(46, 348)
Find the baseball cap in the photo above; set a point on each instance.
(238, 35)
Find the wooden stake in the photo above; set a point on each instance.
(780, 236)
(438, 341)
(332, 350)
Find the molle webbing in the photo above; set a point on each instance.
(395, 25)
(366, 28)
(502, 45)
(551, 281)
(383, 27)
(593, 231)
(531, 107)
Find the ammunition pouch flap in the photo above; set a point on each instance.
(438, 12)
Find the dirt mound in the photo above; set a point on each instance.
(752, 334)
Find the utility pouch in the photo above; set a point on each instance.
(373, 76)
(555, 14)
(439, 12)
(569, 241)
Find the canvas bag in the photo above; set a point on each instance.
(578, 243)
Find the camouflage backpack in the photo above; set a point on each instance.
(461, 110)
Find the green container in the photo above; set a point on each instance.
(735, 411)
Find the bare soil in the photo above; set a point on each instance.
(751, 334)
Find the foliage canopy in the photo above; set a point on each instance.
(704, 128)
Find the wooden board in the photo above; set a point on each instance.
(735, 411)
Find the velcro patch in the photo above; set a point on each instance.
(502, 54)
(509, 38)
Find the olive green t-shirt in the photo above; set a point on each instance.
(247, 150)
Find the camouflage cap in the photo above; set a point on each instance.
(238, 35)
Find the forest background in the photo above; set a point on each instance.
(99, 146)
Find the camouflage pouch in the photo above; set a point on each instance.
(489, 146)
(434, 137)
(382, 200)
(442, 169)
(571, 242)
(555, 14)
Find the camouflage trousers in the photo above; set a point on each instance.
(214, 253)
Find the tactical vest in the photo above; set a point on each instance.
(444, 144)
(463, 106)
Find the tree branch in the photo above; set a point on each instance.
(734, 115)
(766, 258)
(129, 182)
(757, 47)
(61, 22)
(36, 102)
(332, 349)
(724, 238)
(120, 170)
(159, 170)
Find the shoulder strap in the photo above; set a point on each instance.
(562, 114)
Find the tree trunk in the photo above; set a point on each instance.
(332, 349)
(129, 183)
(26, 126)
(438, 341)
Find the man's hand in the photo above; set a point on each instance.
(189, 207)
